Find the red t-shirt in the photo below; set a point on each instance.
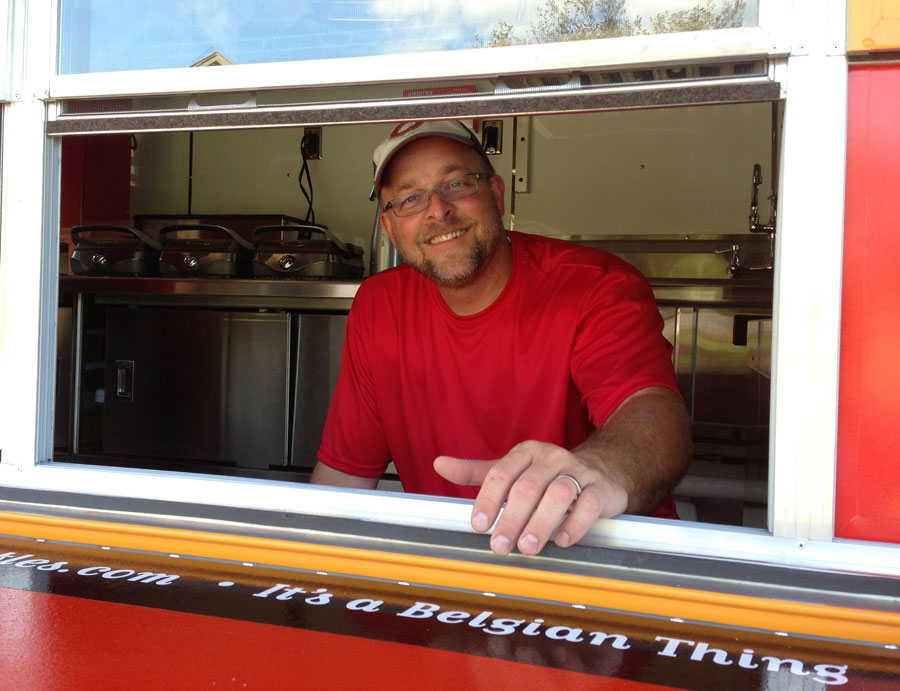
(573, 334)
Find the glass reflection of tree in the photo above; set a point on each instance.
(576, 20)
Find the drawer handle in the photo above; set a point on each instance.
(125, 379)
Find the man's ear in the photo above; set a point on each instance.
(498, 189)
(385, 219)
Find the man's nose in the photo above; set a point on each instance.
(437, 206)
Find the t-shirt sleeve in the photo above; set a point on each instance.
(619, 347)
(353, 440)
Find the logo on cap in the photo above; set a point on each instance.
(405, 128)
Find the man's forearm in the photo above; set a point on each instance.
(645, 445)
(326, 475)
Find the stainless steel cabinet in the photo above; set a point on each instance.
(197, 385)
(319, 345)
(62, 418)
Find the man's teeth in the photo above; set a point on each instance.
(447, 236)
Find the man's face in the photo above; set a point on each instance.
(449, 242)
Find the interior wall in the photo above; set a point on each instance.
(668, 171)
(258, 171)
(160, 173)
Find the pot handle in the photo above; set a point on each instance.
(78, 231)
(305, 229)
(180, 227)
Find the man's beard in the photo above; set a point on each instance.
(481, 249)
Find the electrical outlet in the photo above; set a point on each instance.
(312, 143)
(492, 137)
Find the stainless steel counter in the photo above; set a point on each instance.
(214, 292)
(719, 293)
(338, 295)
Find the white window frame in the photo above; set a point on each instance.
(807, 42)
(10, 16)
(473, 63)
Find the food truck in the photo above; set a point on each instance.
(185, 221)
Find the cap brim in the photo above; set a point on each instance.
(471, 141)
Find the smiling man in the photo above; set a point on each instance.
(501, 366)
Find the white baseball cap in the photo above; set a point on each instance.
(406, 132)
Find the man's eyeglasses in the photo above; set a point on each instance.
(450, 191)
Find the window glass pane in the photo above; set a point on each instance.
(110, 35)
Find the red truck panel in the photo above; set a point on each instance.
(868, 481)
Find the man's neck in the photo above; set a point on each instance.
(479, 292)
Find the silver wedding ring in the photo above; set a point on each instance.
(575, 482)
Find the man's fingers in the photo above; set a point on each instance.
(524, 478)
(556, 501)
(461, 471)
(538, 500)
(509, 480)
(573, 512)
(524, 497)
(496, 479)
(467, 472)
(598, 500)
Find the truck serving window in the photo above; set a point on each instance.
(145, 382)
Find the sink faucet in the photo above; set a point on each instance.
(755, 226)
(735, 263)
(734, 260)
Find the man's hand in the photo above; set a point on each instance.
(630, 464)
(537, 498)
